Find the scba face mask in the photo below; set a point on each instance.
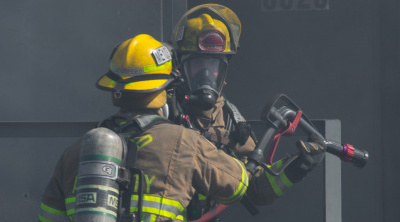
(205, 76)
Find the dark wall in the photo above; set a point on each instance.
(53, 52)
(390, 94)
(336, 62)
(328, 61)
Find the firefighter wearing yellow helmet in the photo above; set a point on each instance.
(140, 66)
(172, 161)
(205, 38)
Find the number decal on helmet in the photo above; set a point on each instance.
(161, 55)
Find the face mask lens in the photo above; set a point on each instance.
(196, 66)
(205, 73)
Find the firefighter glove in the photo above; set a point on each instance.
(311, 154)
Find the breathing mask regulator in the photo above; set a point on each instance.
(205, 76)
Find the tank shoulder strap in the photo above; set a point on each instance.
(145, 122)
(127, 130)
(233, 111)
(240, 130)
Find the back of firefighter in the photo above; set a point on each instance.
(175, 161)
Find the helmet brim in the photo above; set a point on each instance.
(140, 86)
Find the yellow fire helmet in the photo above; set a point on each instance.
(138, 65)
(215, 31)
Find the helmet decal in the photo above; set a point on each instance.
(161, 55)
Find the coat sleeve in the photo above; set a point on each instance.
(217, 174)
(58, 198)
(263, 188)
(52, 206)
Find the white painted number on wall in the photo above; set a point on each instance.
(292, 5)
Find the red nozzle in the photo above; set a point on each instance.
(348, 152)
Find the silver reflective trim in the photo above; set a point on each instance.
(179, 36)
(127, 71)
(53, 217)
(104, 169)
(280, 183)
(233, 198)
(157, 205)
(70, 206)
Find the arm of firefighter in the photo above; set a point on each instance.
(264, 187)
(58, 201)
(218, 175)
(52, 206)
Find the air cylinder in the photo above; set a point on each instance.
(97, 188)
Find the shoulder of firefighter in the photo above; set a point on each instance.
(175, 163)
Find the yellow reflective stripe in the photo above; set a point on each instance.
(158, 205)
(48, 214)
(149, 140)
(283, 176)
(76, 181)
(279, 184)
(71, 211)
(202, 197)
(274, 185)
(52, 210)
(240, 190)
(285, 179)
(155, 67)
(70, 205)
(161, 200)
(70, 200)
(181, 218)
(153, 218)
(152, 210)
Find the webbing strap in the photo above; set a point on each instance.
(147, 121)
(237, 117)
(133, 127)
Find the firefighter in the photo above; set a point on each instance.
(175, 161)
(205, 39)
